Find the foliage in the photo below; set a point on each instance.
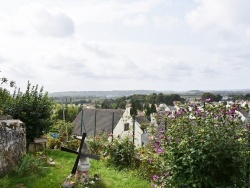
(121, 152)
(66, 112)
(150, 162)
(5, 80)
(54, 143)
(4, 93)
(212, 96)
(97, 144)
(140, 101)
(153, 108)
(73, 144)
(133, 109)
(33, 108)
(4, 97)
(203, 148)
(32, 164)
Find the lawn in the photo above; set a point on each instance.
(55, 175)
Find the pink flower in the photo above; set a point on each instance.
(208, 100)
(150, 160)
(179, 112)
(232, 111)
(168, 139)
(160, 150)
(198, 111)
(155, 177)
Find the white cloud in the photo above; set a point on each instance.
(111, 10)
(58, 25)
(135, 20)
(224, 17)
(167, 22)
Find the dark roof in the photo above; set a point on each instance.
(103, 120)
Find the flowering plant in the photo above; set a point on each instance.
(203, 147)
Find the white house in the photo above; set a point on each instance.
(124, 127)
(101, 121)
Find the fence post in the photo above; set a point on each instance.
(113, 126)
(95, 125)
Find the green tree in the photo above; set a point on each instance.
(153, 108)
(133, 109)
(208, 95)
(247, 97)
(160, 98)
(148, 111)
(66, 112)
(34, 108)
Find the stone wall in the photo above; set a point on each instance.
(12, 143)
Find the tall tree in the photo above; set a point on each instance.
(34, 108)
(153, 108)
(133, 109)
(211, 96)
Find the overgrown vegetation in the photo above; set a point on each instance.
(203, 148)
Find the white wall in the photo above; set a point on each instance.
(119, 129)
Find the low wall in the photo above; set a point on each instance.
(12, 143)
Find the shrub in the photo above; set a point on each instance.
(73, 144)
(203, 148)
(54, 143)
(150, 162)
(97, 144)
(121, 152)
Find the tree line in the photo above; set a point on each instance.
(141, 101)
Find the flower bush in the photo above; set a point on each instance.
(121, 152)
(203, 147)
(98, 144)
(54, 143)
(150, 161)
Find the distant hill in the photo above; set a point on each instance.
(109, 94)
(121, 93)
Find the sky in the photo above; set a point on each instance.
(102, 45)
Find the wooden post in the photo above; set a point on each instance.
(134, 129)
(95, 125)
(113, 126)
(82, 122)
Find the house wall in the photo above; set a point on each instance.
(12, 144)
(119, 129)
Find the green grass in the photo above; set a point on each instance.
(55, 175)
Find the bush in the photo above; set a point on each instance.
(203, 148)
(73, 144)
(97, 144)
(121, 152)
(54, 143)
(150, 162)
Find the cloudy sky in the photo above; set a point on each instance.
(84, 45)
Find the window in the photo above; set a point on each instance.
(126, 126)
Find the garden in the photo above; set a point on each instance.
(200, 145)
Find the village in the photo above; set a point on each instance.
(125, 138)
(124, 94)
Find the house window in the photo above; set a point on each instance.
(126, 126)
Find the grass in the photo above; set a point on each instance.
(54, 176)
